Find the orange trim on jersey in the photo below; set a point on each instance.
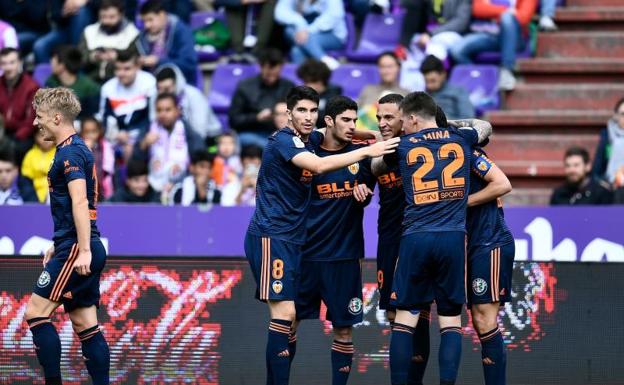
(63, 277)
(95, 188)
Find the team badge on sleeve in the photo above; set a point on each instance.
(298, 143)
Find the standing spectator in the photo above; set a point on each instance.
(580, 188)
(227, 164)
(192, 102)
(127, 102)
(240, 14)
(315, 74)
(137, 189)
(547, 12)
(199, 187)
(14, 189)
(243, 192)
(66, 64)
(280, 115)
(453, 100)
(506, 33)
(37, 163)
(253, 101)
(17, 90)
(8, 36)
(610, 152)
(313, 27)
(168, 145)
(166, 40)
(29, 18)
(101, 41)
(92, 133)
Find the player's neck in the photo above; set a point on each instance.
(301, 136)
(333, 143)
(64, 133)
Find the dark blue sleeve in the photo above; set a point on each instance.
(469, 134)
(74, 163)
(289, 146)
(480, 164)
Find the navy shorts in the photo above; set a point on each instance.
(59, 281)
(387, 254)
(431, 266)
(338, 284)
(275, 266)
(489, 274)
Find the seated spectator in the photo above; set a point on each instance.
(547, 12)
(315, 74)
(240, 19)
(192, 102)
(36, 165)
(8, 36)
(127, 102)
(137, 188)
(168, 145)
(17, 90)
(453, 100)
(501, 28)
(66, 64)
(580, 188)
(227, 165)
(610, 152)
(243, 192)
(101, 41)
(92, 133)
(313, 27)
(29, 18)
(253, 101)
(199, 187)
(280, 115)
(14, 189)
(166, 40)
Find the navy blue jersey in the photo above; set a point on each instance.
(334, 225)
(73, 160)
(485, 223)
(435, 166)
(283, 189)
(391, 205)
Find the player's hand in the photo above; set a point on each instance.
(383, 147)
(48, 255)
(83, 262)
(361, 192)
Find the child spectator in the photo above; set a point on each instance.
(243, 192)
(227, 164)
(199, 187)
(137, 188)
(14, 189)
(37, 163)
(453, 100)
(92, 133)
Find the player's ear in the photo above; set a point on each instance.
(328, 121)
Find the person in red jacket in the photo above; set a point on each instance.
(17, 90)
(500, 26)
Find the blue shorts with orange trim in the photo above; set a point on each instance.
(387, 255)
(275, 266)
(489, 274)
(59, 282)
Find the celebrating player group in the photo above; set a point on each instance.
(442, 235)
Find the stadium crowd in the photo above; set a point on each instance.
(134, 67)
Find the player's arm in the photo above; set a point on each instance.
(497, 185)
(483, 128)
(82, 221)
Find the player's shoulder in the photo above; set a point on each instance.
(73, 146)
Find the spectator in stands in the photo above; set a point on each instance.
(14, 189)
(101, 41)
(168, 145)
(92, 132)
(166, 40)
(137, 189)
(315, 74)
(252, 104)
(280, 115)
(36, 165)
(191, 101)
(547, 12)
(240, 15)
(17, 90)
(313, 27)
(127, 102)
(68, 19)
(243, 192)
(501, 28)
(29, 18)
(199, 187)
(609, 158)
(8, 36)
(580, 188)
(227, 165)
(453, 100)
(66, 64)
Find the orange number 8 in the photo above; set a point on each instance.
(278, 269)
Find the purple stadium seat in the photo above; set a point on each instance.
(200, 19)
(494, 57)
(350, 43)
(380, 33)
(289, 71)
(353, 77)
(41, 73)
(225, 124)
(224, 81)
(481, 83)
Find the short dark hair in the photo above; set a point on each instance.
(298, 93)
(202, 156)
(389, 54)
(440, 118)
(167, 95)
(311, 71)
(152, 6)
(618, 104)
(391, 99)
(9, 50)
(577, 151)
(252, 151)
(126, 55)
(419, 103)
(136, 167)
(270, 56)
(7, 154)
(339, 104)
(166, 73)
(119, 4)
(432, 64)
(70, 57)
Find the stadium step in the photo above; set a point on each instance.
(572, 70)
(564, 96)
(593, 3)
(581, 44)
(593, 17)
(529, 196)
(571, 122)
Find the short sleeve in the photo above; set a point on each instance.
(469, 134)
(316, 139)
(289, 145)
(480, 163)
(74, 163)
